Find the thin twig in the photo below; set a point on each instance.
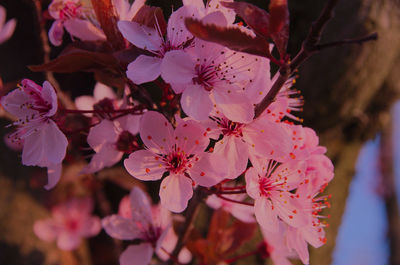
(234, 201)
(309, 47)
(65, 99)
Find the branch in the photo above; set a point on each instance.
(310, 46)
(65, 99)
(191, 212)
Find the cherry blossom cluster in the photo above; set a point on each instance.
(267, 169)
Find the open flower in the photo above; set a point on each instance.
(44, 143)
(179, 152)
(6, 29)
(148, 68)
(137, 219)
(70, 222)
(110, 140)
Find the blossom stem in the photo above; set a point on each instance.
(245, 255)
(231, 191)
(234, 188)
(235, 201)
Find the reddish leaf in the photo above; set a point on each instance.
(151, 17)
(232, 38)
(108, 19)
(74, 60)
(279, 24)
(258, 19)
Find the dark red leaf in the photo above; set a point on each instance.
(74, 60)
(151, 17)
(108, 19)
(279, 24)
(233, 38)
(256, 18)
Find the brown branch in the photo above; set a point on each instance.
(191, 212)
(309, 47)
(65, 99)
(373, 36)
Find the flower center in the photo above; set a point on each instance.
(127, 142)
(70, 10)
(231, 128)
(206, 76)
(176, 162)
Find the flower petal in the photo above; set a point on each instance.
(144, 165)
(120, 227)
(140, 206)
(8, 29)
(265, 213)
(101, 134)
(53, 175)
(144, 69)
(137, 255)
(156, 132)
(56, 33)
(177, 67)
(196, 102)
(141, 36)
(68, 241)
(102, 91)
(46, 229)
(84, 30)
(175, 192)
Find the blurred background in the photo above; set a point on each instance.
(350, 94)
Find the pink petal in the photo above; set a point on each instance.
(120, 228)
(296, 242)
(203, 173)
(144, 165)
(68, 241)
(53, 175)
(176, 29)
(12, 103)
(102, 133)
(106, 156)
(235, 152)
(175, 192)
(197, 3)
(45, 146)
(265, 214)
(46, 229)
(156, 132)
(141, 36)
(214, 5)
(144, 69)
(7, 31)
(85, 103)
(129, 123)
(267, 139)
(135, 7)
(196, 102)
(168, 244)
(243, 212)
(234, 104)
(140, 206)
(191, 137)
(177, 67)
(289, 209)
(137, 254)
(102, 91)
(49, 96)
(252, 183)
(56, 33)
(216, 18)
(3, 15)
(84, 30)
(91, 227)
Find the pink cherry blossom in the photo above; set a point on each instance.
(276, 245)
(179, 152)
(148, 68)
(137, 219)
(100, 92)
(242, 212)
(242, 141)
(44, 143)
(70, 221)
(110, 140)
(127, 11)
(6, 29)
(77, 17)
(210, 7)
(271, 189)
(210, 74)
